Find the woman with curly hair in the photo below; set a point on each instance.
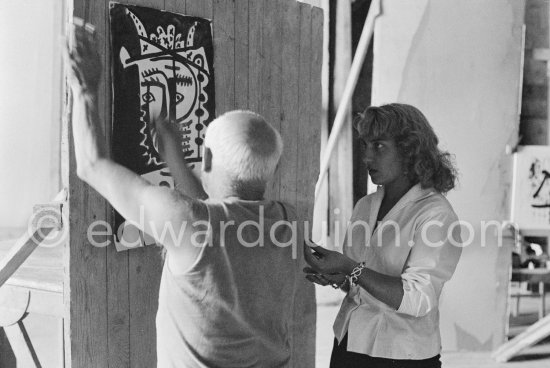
(402, 244)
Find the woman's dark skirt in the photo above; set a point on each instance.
(341, 358)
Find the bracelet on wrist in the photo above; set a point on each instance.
(355, 273)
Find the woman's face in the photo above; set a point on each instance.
(383, 162)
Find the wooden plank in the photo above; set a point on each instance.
(144, 269)
(200, 8)
(20, 251)
(529, 337)
(241, 54)
(255, 31)
(316, 97)
(270, 76)
(176, 6)
(118, 299)
(304, 95)
(290, 74)
(224, 55)
(85, 265)
(305, 310)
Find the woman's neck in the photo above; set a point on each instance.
(394, 191)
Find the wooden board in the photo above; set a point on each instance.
(267, 57)
(241, 54)
(534, 334)
(117, 278)
(85, 326)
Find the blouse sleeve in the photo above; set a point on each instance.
(431, 262)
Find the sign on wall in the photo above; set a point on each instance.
(531, 189)
(162, 66)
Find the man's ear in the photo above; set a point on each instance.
(207, 160)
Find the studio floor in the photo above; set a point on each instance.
(535, 357)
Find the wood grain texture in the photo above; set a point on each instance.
(264, 55)
(85, 265)
(288, 167)
(200, 8)
(305, 312)
(241, 54)
(118, 301)
(176, 6)
(224, 54)
(144, 269)
(290, 89)
(255, 37)
(271, 81)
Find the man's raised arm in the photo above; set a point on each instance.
(128, 193)
(186, 182)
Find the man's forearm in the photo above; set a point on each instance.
(185, 180)
(88, 136)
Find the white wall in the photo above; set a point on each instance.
(459, 62)
(30, 105)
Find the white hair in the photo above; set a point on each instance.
(244, 145)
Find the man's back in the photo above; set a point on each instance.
(233, 307)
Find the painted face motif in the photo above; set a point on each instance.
(173, 74)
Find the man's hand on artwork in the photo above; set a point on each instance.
(169, 137)
(327, 262)
(84, 61)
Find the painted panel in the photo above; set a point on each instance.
(162, 66)
(531, 189)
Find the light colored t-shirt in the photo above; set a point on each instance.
(233, 307)
(419, 241)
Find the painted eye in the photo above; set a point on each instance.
(179, 98)
(148, 97)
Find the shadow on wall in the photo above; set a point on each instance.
(7, 357)
(469, 342)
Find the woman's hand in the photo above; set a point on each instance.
(324, 280)
(327, 262)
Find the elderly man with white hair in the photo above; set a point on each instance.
(228, 283)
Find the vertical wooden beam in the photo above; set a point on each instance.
(118, 301)
(200, 8)
(224, 54)
(145, 270)
(305, 306)
(85, 265)
(255, 30)
(241, 54)
(176, 6)
(290, 72)
(271, 78)
(289, 131)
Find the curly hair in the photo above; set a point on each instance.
(416, 143)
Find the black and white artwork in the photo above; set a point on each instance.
(162, 65)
